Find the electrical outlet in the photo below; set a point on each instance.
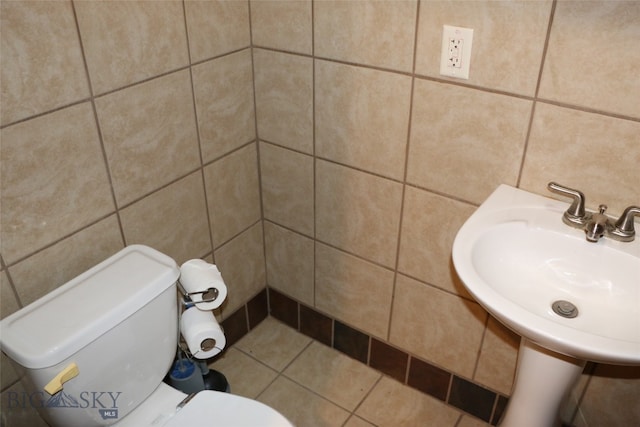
(456, 51)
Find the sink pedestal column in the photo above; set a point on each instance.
(543, 380)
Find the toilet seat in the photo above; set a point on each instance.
(207, 408)
(155, 410)
(215, 408)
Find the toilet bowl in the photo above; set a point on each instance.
(97, 348)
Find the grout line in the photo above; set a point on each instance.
(371, 173)
(251, 356)
(485, 329)
(117, 210)
(494, 408)
(527, 137)
(452, 82)
(314, 201)
(403, 196)
(449, 387)
(365, 397)
(257, 142)
(120, 88)
(198, 136)
(304, 349)
(280, 373)
(12, 286)
(58, 240)
(96, 119)
(525, 147)
(590, 373)
(405, 380)
(546, 47)
(247, 228)
(45, 113)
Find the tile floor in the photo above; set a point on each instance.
(316, 386)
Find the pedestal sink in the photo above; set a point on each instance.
(571, 300)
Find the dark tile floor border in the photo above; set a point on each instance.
(465, 395)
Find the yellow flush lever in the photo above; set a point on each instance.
(55, 385)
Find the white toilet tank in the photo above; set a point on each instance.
(117, 322)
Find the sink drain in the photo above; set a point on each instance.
(565, 309)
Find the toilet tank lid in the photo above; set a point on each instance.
(62, 322)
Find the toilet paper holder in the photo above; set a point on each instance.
(208, 295)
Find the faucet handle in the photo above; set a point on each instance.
(575, 215)
(624, 229)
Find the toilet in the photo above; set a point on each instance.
(94, 352)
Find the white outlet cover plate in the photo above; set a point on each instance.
(455, 58)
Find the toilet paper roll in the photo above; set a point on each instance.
(199, 276)
(203, 334)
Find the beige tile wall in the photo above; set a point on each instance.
(126, 122)
(400, 156)
(137, 122)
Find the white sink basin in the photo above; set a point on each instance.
(517, 257)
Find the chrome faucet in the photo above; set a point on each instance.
(623, 229)
(596, 224)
